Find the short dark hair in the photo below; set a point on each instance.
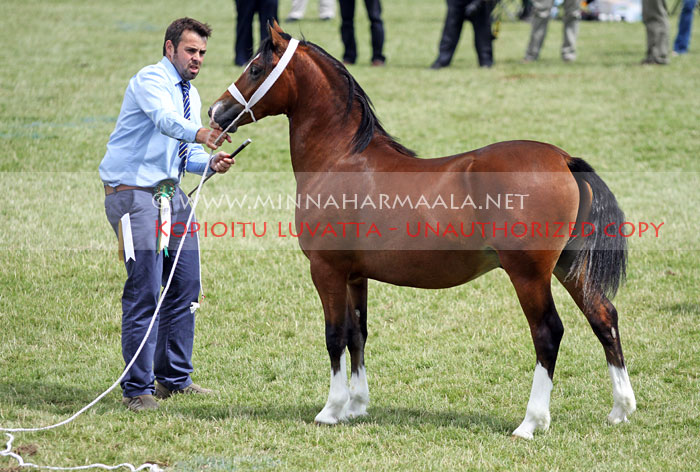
(176, 28)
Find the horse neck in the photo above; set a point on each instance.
(320, 131)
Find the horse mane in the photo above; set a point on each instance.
(369, 123)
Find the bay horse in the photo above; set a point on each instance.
(339, 150)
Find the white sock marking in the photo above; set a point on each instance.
(537, 414)
(624, 402)
(338, 396)
(359, 394)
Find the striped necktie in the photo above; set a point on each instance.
(182, 151)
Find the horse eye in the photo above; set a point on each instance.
(255, 71)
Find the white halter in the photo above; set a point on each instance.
(267, 83)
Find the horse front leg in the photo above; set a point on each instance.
(357, 317)
(331, 287)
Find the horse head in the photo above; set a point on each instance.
(263, 89)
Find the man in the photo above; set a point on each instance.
(151, 146)
(479, 13)
(541, 13)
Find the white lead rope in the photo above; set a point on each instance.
(20, 462)
(255, 98)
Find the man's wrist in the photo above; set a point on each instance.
(210, 167)
(201, 135)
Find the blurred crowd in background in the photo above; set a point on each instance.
(485, 17)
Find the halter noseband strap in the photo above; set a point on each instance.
(267, 83)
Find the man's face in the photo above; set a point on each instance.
(189, 55)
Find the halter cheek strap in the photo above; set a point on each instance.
(267, 83)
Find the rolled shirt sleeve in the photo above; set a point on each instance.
(199, 160)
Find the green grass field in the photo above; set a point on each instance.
(449, 371)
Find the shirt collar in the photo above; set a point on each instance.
(172, 72)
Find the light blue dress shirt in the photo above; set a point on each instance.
(142, 150)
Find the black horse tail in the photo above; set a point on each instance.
(601, 262)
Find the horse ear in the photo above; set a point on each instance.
(276, 26)
(275, 36)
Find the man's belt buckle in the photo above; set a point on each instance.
(166, 189)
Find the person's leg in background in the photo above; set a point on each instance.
(297, 11)
(267, 14)
(374, 12)
(451, 31)
(326, 9)
(541, 10)
(655, 18)
(572, 17)
(483, 36)
(243, 48)
(685, 26)
(347, 30)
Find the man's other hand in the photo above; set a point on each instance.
(221, 162)
(213, 138)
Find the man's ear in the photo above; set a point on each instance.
(169, 49)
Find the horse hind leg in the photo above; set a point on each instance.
(331, 287)
(357, 337)
(602, 316)
(531, 277)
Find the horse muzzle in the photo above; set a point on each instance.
(222, 114)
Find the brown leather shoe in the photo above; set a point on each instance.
(192, 389)
(140, 403)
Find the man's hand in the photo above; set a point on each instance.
(211, 137)
(221, 162)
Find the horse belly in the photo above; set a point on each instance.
(424, 269)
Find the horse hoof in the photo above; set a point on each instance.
(612, 419)
(321, 423)
(326, 417)
(521, 434)
(353, 414)
(534, 420)
(357, 407)
(622, 407)
(617, 415)
(325, 420)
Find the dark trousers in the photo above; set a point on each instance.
(167, 355)
(481, 22)
(245, 11)
(347, 29)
